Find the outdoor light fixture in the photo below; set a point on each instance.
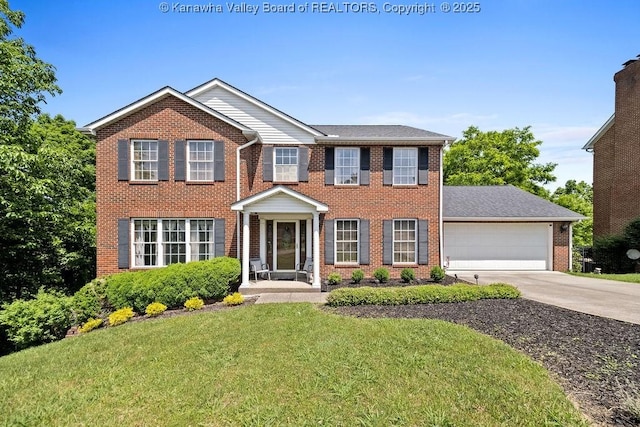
(475, 276)
(564, 227)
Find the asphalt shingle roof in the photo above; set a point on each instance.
(500, 201)
(377, 131)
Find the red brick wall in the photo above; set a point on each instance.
(561, 251)
(172, 119)
(603, 181)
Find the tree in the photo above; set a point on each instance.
(578, 196)
(498, 158)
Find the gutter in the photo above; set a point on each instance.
(256, 137)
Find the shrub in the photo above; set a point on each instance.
(334, 278)
(121, 316)
(235, 298)
(437, 274)
(89, 325)
(88, 301)
(174, 284)
(419, 294)
(381, 274)
(43, 319)
(357, 276)
(194, 303)
(610, 254)
(155, 309)
(407, 275)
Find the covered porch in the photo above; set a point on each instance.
(287, 224)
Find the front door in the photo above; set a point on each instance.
(286, 245)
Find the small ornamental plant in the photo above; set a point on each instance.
(194, 303)
(89, 325)
(121, 316)
(437, 274)
(357, 276)
(155, 309)
(382, 274)
(407, 275)
(235, 298)
(334, 278)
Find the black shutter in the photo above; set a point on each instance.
(179, 161)
(329, 255)
(365, 160)
(267, 163)
(329, 153)
(423, 165)
(218, 237)
(163, 160)
(123, 160)
(218, 161)
(387, 166)
(123, 243)
(303, 164)
(364, 242)
(387, 242)
(423, 242)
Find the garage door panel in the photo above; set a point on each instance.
(497, 246)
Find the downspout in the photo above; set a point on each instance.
(441, 223)
(256, 138)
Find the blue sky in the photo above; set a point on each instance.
(547, 64)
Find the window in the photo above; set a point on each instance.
(145, 160)
(347, 166)
(181, 240)
(347, 241)
(404, 241)
(200, 164)
(201, 239)
(405, 166)
(286, 164)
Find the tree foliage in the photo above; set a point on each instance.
(578, 196)
(498, 158)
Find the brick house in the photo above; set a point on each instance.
(616, 157)
(215, 171)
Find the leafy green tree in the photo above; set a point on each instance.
(498, 158)
(578, 196)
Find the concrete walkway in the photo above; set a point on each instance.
(268, 298)
(600, 297)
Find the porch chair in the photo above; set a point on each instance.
(306, 268)
(257, 267)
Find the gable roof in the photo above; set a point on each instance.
(155, 97)
(240, 205)
(216, 82)
(378, 131)
(605, 127)
(500, 203)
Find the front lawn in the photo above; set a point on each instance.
(279, 364)
(629, 277)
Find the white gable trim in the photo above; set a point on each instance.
(605, 127)
(255, 101)
(513, 219)
(241, 205)
(157, 96)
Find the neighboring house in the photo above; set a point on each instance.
(616, 157)
(215, 171)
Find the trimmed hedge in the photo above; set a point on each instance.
(173, 285)
(88, 301)
(419, 294)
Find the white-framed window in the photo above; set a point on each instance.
(285, 164)
(347, 166)
(404, 241)
(160, 242)
(200, 161)
(347, 241)
(144, 160)
(405, 166)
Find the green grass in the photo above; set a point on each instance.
(280, 364)
(629, 277)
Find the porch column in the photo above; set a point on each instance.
(316, 250)
(245, 249)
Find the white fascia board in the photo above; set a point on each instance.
(605, 127)
(240, 205)
(255, 101)
(513, 219)
(410, 140)
(154, 97)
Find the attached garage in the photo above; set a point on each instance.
(498, 246)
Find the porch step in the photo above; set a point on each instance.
(277, 286)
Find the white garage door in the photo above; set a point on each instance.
(497, 246)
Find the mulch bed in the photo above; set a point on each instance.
(347, 283)
(593, 358)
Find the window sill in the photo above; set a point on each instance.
(199, 182)
(286, 182)
(347, 185)
(405, 264)
(405, 185)
(346, 265)
(143, 182)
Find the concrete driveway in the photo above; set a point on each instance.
(606, 298)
